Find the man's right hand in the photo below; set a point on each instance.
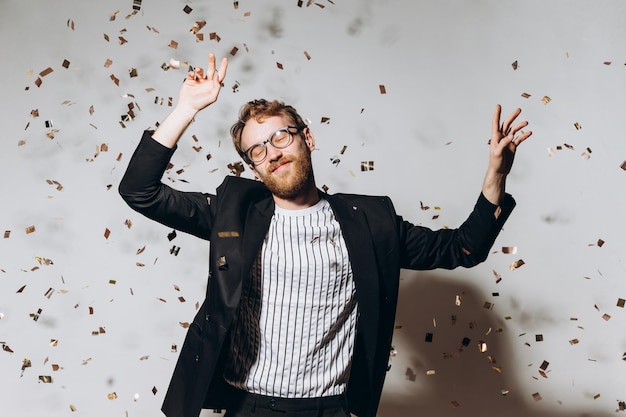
(199, 90)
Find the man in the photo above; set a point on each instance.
(302, 288)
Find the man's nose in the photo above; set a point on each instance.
(273, 154)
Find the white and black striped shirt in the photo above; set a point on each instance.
(294, 332)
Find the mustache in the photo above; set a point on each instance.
(273, 165)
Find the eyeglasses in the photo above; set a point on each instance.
(279, 139)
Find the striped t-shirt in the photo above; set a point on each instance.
(294, 332)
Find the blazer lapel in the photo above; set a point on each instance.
(357, 236)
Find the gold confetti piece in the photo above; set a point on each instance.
(73, 408)
(430, 372)
(187, 9)
(46, 379)
(623, 166)
(236, 168)
(173, 44)
(115, 80)
(600, 242)
(574, 342)
(606, 317)
(516, 264)
(546, 100)
(457, 300)
(6, 348)
(536, 396)
(595, 397)
(577, 126)
(621, 302)
(70, 24)
(214, 37)
(46, 72)
(482, 346)
(382, 89)
(526, 95)
(325, 120)
(107, 233)
(515, 65)
(509, 249)
(30, 229)
(367, 166)
(66, 64)
(112, 396)
(112, 282)
(279, 65)
(307, 55)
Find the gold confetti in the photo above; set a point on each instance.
(46, 379)
(536, 396)
(621, 302)
(279, 65)
(526, 95)
(515, 65)
(306, 54)
(509, 249)
(30, 229)
(112, 396)
(367, 165)
(382, 89)
(187, 9)
(546, 100)
(107, 233)
(516, 264)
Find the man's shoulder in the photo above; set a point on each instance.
(363, 201)
(241, 186)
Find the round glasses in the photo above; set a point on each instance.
(280, 139)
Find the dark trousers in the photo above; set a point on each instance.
(254, 405)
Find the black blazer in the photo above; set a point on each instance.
(236, 219)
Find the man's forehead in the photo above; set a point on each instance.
(256, 131)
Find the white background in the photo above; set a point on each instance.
(113, 309)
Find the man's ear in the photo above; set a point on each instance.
(309, 138)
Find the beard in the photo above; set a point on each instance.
(292, 183)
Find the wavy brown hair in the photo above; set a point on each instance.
(259, 110)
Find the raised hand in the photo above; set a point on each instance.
(505, 138)
(201, 89)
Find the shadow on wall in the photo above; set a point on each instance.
(436, 331)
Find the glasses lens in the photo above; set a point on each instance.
(257, 153)
(281, 138)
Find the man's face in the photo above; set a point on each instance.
(285, 172)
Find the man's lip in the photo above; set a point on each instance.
(280, 165)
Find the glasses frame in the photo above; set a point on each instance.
(269, 140)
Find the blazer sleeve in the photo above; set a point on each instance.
(465, 246)
(143, 190)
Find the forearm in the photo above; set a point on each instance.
(172, 128)
(494, 187)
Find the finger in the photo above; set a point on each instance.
(221, 73)
(495, 123)
(211, 66)
(506, 126)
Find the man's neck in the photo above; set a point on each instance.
(306, 199)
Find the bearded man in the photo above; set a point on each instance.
(303, 285)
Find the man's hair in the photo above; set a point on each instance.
(259, 110)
